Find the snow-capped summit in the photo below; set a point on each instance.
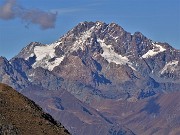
(98, 39)
(91, 71)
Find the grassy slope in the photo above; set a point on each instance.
(19, 115)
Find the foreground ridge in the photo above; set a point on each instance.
(19, 115)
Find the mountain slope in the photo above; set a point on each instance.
(92, 64)
(19, 115)
(77, 117)
(157, 115)
(63, 106)
(105, 56)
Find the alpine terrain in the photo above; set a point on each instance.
(99, 79)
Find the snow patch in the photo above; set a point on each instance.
(31, 55)
(79, 42)
(55, 63)
(44, 51)
(111, 56)
(55, 44)
(31, 76)
(170, 67)
(156, 49)
(46, 57)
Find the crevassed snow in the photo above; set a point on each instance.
(111, 56)
(156, 49)
(44, 54)
(170, 67)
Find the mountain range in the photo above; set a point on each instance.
(100, 79)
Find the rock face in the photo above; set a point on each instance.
(94, 63)
(19, 115)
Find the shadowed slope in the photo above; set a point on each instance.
(19, 115)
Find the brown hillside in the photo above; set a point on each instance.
(21, 116)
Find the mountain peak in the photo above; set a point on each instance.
(98, 25)
(88, 38)
(106, 68)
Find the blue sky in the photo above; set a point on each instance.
(159, 20)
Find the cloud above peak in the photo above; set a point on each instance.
(10, 10)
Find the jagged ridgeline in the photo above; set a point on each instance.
(100, 79)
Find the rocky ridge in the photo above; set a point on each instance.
(93, 62)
